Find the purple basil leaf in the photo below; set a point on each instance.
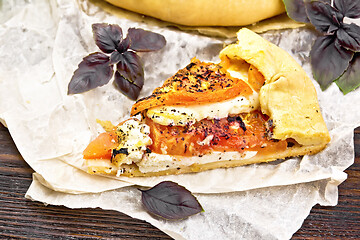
(170, 201)
(349, 37)
(349, 8)
(350, 80)
(130, 67)
(295, 9)
(124, 45)
(145, 41)
(323, 16)
(328, 61)
(126, 87)
(115, 57)
(107, 36)
(94, 71)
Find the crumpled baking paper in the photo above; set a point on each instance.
(41, 44)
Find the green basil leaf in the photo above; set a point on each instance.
(350, 80)
(170, 201)
(295, 9)
(328, 61)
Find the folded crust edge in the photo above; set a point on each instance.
(288, 96)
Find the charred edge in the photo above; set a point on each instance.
(242, 124)
(190, 65)
(120, 151)
(239, 120)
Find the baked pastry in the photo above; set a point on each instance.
(204, 13)
(257, 105)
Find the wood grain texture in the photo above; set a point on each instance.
(23, 219)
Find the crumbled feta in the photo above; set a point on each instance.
(134, 138)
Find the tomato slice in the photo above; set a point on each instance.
(205, 136)
(197, 83)
(255, 78)
(101, 147)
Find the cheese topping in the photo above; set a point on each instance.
(187, 115)
(133, 138)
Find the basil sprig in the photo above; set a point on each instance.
(97, 68)
(335, 54)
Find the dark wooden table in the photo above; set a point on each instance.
(22, 218)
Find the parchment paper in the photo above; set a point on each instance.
(41, 44)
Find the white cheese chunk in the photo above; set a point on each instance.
(133, 136)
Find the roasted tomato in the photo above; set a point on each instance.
(197, 83)
(245, 132)
(255, 78)
(101, 147)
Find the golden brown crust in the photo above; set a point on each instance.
(288, 97)
(205, 13)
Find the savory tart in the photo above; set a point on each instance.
(205, 13)
(256, 105)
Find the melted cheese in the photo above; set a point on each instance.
(184, 115)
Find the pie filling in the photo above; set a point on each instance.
(235, 133)
(171, 136)
(154, 147)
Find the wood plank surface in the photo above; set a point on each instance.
(24, 219)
